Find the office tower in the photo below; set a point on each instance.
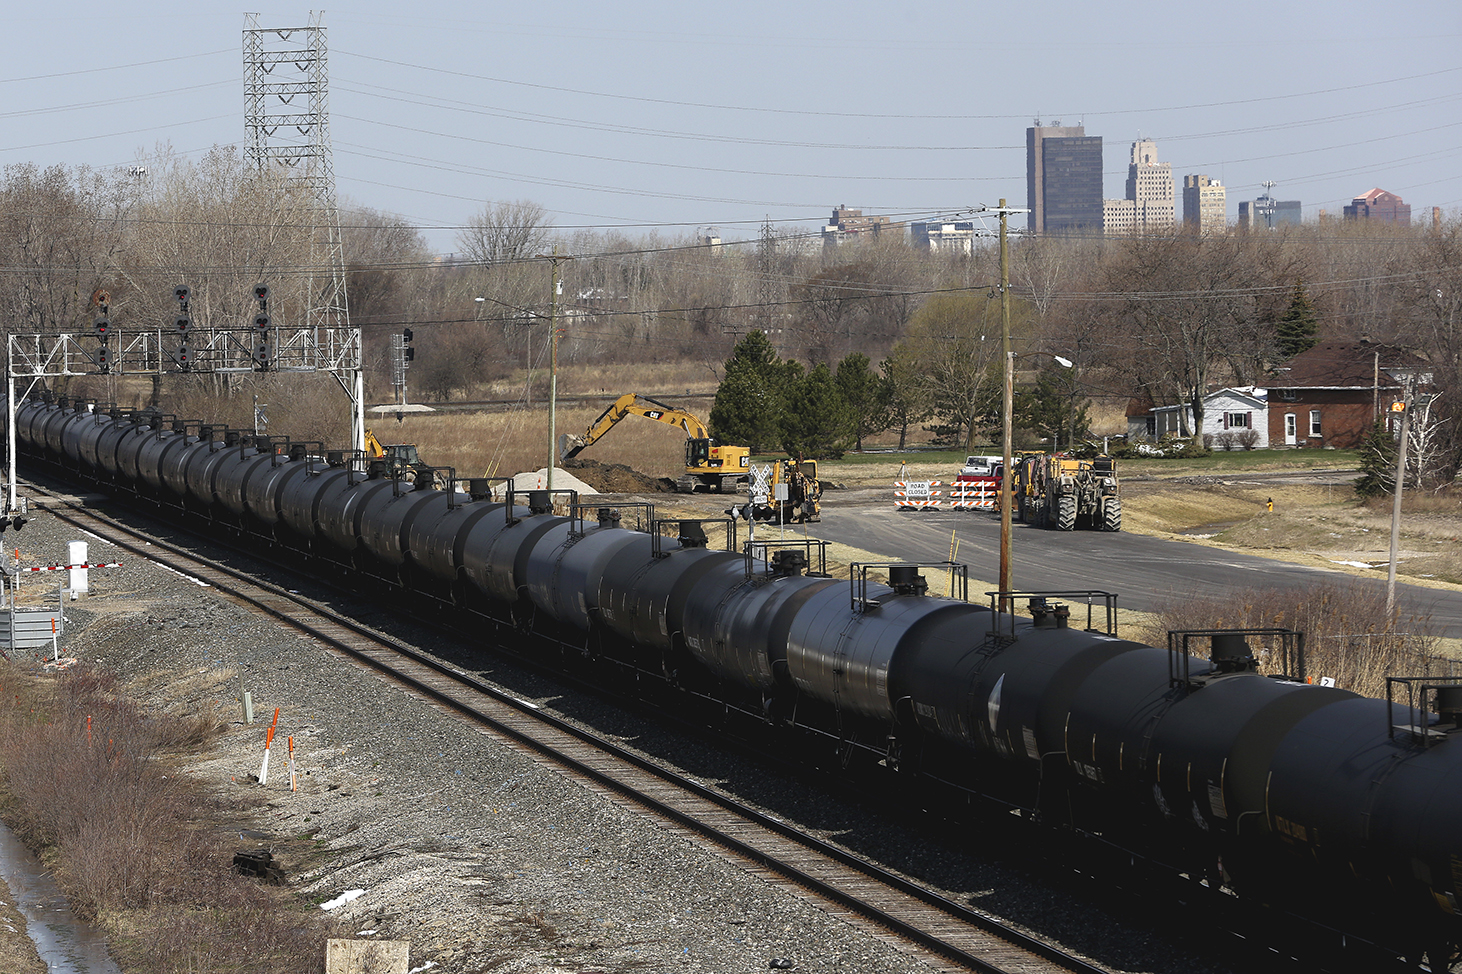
(1379, 205)
(1063, 176)
(1148, 207)
(1205, 207)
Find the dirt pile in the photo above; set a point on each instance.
(616, 478)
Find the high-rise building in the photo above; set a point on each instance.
(1148, 207)
(849, 224)
(1063, 178)
(1205, 207)
(1379, 205)
(1267, 212)
(946, 235)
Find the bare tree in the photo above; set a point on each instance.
(505, 232)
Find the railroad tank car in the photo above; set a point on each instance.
(1308, 797)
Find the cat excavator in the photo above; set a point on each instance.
(709, 466)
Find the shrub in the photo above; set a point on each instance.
(1248, 438)
(1225, 440)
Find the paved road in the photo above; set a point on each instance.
(1143, 571)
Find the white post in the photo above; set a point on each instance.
(78, 580)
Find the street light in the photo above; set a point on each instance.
(1006, 480)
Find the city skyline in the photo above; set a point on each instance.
(658, 116)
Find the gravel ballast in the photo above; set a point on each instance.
(478, 854)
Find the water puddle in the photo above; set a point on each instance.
(67, 945)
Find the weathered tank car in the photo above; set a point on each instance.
(1310, 798)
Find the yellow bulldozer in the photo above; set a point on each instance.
(709, 466)
(1062, 492)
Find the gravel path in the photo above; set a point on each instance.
(477, 854)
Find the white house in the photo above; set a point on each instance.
(1225, 411)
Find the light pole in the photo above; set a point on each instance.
(1007, 481)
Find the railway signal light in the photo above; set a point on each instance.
(262, 321)
(183, 356)
(103, 359)
(103, 326)
(261, 292)
(409, 353)
(263, 354)
(182, 323)
(182, 292)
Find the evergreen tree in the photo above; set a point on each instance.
(866, 394)
(1377, 461)
(1054, 408)
(753, 395)
(817, 422)
(1298, 328)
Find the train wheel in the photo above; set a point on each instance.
(1066, 513)
(1112, 515)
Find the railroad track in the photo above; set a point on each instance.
(943, 933)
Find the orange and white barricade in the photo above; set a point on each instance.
(975, 495)
(916, 494)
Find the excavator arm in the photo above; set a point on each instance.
(631, 404)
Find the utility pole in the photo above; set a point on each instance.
(1006, 480)
(555, 288)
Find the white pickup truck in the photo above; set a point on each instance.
(980, 466)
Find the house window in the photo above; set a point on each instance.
(1235, 421)
(1314, 422)
(1288, 395)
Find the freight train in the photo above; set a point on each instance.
(1208, 755)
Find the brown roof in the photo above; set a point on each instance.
(1344, 365)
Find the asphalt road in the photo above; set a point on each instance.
(1144, 572)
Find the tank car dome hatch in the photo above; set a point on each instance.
(788, 564)
(1049, 614)
(1449, 705)
(692, 535)
(906, 580)
(1232, 653)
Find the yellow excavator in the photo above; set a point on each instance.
(709, 466)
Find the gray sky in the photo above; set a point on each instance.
(686, 115)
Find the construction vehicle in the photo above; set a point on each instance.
(1062, 492)
(709, 466)
(401, 455)
(800, 501)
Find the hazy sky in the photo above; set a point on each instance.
(687, 115)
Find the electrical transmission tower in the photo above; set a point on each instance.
(287, 123)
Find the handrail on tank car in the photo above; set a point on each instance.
(807, 544)
(1433, 699)
(657, 534)
(1109, 601)
(858, 580)
(1291, 653)
(576, 513)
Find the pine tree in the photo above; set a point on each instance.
(1377, 461)
(1298, 328)
(866, 394)
(817, 422)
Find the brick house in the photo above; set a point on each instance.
(1329, 395)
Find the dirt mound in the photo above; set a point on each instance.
(616, 478)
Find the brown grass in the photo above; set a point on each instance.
(1348, 634)
(136, 846)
